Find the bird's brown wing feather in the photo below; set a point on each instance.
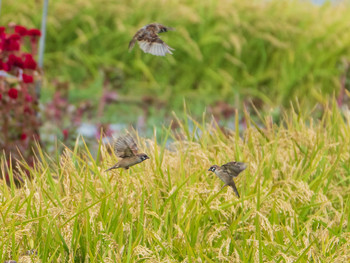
(132, 43)
(135, 38)
(232, 169)
(125, 146)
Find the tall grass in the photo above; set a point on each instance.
(294, 204)
(271, 51)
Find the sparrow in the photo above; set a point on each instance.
(126, 148)
(149, 40)
(227, 171)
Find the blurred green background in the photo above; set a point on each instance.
(235, 52)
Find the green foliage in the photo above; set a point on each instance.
(272, 51)
(294, 204)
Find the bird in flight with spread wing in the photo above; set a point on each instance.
(126, 148)
(149, 41)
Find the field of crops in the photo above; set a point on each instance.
(294, 204)
(274, 75)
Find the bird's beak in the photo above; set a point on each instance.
(147, 157)
(209, 169)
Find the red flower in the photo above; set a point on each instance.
(23, 136)
(27, 78)
(2, 34)
(29, 98)
(0, 96)
(10, 43)
(13, 93)
(21, 30)
(34, 32)
(29, 62)
(15, 61)
(4, 66)
(14, 37)
(13, 46)
(65, 134)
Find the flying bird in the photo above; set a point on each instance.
(126, 148)
(227, 171)
(149, 40)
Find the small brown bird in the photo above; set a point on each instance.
(126, 148)
(227, 171)
(149, 40)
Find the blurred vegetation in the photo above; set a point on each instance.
(268, 51)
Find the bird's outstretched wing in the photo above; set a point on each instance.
(233, 168)
(151, 43)
(125, 146)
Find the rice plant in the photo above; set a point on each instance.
(294, 204)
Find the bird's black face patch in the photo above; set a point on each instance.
(144, 157)
(213, 168)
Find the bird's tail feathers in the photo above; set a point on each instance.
(113, 167)
(232, 184)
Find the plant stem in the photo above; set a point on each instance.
(42, 45)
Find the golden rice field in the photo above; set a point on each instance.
(294, 204)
